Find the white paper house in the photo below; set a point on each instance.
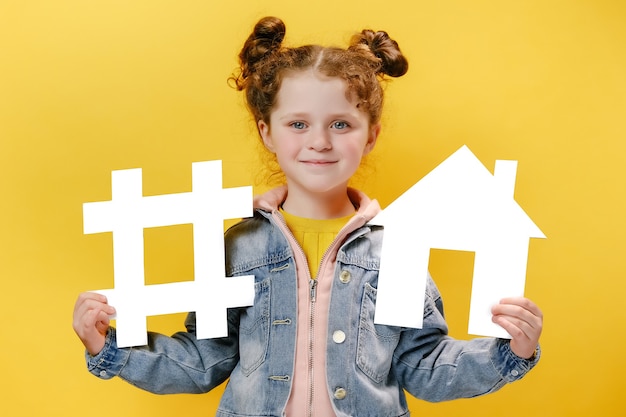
(459, 205)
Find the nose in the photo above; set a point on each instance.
(319, 140)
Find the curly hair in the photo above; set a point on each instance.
(264, 61)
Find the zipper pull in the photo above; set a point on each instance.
(313, 290)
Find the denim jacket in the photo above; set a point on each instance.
(367, 370)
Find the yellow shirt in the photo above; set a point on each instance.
(314, 236)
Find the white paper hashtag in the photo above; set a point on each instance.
(205, 207)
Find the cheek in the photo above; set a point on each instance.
(357, 146)
(286, 149)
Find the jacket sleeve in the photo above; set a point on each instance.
(435, 367)
(171, 364)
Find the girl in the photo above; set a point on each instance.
(309, 346)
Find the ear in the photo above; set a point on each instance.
(264, 131)
(371, 140)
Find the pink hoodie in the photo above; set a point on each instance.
(309, 390)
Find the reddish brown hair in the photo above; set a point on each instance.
(264, 62)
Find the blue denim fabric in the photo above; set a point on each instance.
(367, 373)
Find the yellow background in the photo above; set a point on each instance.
(87, 87)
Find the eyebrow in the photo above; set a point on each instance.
(294, 116)
(303, 115)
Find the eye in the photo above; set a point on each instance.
(298, 125)
(340, 125)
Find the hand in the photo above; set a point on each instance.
(523, 320)
(91, 320)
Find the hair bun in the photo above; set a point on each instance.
(393, 63)
(267, 36)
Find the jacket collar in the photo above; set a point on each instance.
(367, 208)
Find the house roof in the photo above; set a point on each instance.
(460, 200)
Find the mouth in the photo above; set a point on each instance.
(317, 162)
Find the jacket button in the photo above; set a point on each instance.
(340, 393)
(345, 277)
(339, 336)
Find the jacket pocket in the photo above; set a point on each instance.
(254, 329)
(376, 343)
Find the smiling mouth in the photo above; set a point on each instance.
(318, 163)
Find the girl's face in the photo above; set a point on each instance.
(317, 134)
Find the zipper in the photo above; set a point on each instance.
(312, 297)
(313, 292)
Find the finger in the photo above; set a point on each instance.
(516, 312)
(518, 329)
(524, 303)
(522, 343)
(89, 314)
(91, 301)
(86, 301)
(524, 338)
(103, 323)
(520, 326)
(92, 296)
(525, 312)
(93, 324)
